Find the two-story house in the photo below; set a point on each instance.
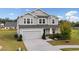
(31, 25)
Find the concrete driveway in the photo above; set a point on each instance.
(43, 45)
(38, 45)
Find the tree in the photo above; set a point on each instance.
(65, 28)
(4, 20)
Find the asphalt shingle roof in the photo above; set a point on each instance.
(10, 24)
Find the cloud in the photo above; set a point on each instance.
(11, 14)
(72, 16)
(71, 13)
(27, 10)
(60, 17)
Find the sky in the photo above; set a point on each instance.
(71, 14)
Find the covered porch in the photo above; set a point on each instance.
(51, 31)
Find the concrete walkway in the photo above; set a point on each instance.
(38, 45)
(67, 46)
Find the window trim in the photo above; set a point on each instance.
(28, 20)
(31, 21)
(24, 20)
(42, 21)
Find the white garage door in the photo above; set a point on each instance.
(32, 34)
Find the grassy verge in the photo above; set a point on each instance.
(8, 42)
(70, 49)
(73, 41)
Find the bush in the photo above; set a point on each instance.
(67, 41)
(51, 36)
(16, 35)
(19, 38)
(58, 36)
(43, 36)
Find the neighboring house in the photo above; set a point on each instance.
(32, 24)
(1, 25)
(10, 25)
(75, 27)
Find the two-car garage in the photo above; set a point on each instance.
(32, 33)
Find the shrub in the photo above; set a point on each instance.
(19, 38)
(58, 36)
(16, 35)
(51, 36)
(65, 28)
(43, 36)
(67, 41)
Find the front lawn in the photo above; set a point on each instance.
(73, 41)
(8, 42)
(70, 49)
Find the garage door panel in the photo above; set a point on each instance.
(32, 34)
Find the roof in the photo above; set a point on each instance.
(54, 16)
(10, 24)
(39, 12)
(30, 14)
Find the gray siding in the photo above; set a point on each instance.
(38, 26)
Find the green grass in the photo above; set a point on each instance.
(8, 42)
(73, 41)
(70, 49)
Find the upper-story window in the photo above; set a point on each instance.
(53, 21)
(24, 21)
(41, 21)
(29, 21)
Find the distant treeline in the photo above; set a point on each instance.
(3, 20)
(73, 24)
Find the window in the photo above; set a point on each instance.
(43, 21)
(40, 21)
(24, 21)
(53, 21)
(28, 21)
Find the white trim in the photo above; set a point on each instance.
(41, 21)
(50, 30)
(30, 21)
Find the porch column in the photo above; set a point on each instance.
(50, 30)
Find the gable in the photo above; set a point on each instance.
(29, 15)
(39, 12)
